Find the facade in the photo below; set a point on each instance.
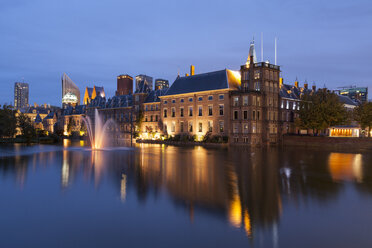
(143, 84)
(161, 84)
(199, 104)
(92, 93)
(152, 125)
(124, 85)
(21, 95)
(356, 93)
(70, 92)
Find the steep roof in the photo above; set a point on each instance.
(346, 100)
(153, 96)
(224, 79)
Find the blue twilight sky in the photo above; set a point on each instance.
(329, 42)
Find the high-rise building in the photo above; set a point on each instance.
(143, 83)
(70, 92)
(355, 93)
(161, 84)
(124, 85)
(21, 91)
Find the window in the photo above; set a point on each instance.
(156, 118)
(146, 108)
(200, 98)
(254, 100)
(257, 74)
(294, 105)
(173, 112)
(181, 126)
(257, 86)
(258, 115)
(190, 111)
(181, 112)
(282, 106)
(137, 98)
(287, 105)
(235, 114)
(151, 118)
(200, 111)
(221, 109)
(254, 115)
(165, 102)
(245, 128)
(190, 99)
(152, 107)
(258, 101)
(200, 127)
(210, 126)
(236, 101)
(157, 107)
(182, 100)
(190, 127)
(246, 75)
(165, 127)
(245, 114)
(221, 123)
(210, 110)
(245, 100)
(210, 98)
(220, 97)
(173, 127)
(173, 101)
(165, 113)
(235, 128)
(253, 127)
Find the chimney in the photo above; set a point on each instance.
(192, 70)
(280, 82)
(186, 75)
(306, 85)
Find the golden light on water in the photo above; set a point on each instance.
(346, 166)
(123, 188)
(235, 211)
(247, 223)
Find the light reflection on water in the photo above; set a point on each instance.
(251, 189)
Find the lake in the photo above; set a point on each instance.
(169, 196)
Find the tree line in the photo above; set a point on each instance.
(323, 109)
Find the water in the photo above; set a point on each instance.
(165, 196)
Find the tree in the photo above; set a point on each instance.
(139, 120)
(363, 114)
(8, 121)
(320, 111)
(27, 129)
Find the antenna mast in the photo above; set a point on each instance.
(262, 59)
(275, 49)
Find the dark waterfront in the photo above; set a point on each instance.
(166, 196)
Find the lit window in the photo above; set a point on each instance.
(200, 111)
(200, 127)
(210, 110)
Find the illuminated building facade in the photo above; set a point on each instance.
(199, 104)
(70, 92)
(21, 93)
(161, 84)
(92, 93)
(124, 85)
(143, 84)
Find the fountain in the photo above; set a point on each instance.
(98, 137)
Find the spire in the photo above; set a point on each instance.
(252, 53)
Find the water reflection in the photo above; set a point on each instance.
(247, 187)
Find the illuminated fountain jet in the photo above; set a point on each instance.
(98, 137)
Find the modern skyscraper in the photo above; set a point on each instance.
(161, 84)
(143, 83)
(21, 91)
(70, 92)
(124, 85)
(355, 93)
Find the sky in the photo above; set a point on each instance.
(326, 42)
